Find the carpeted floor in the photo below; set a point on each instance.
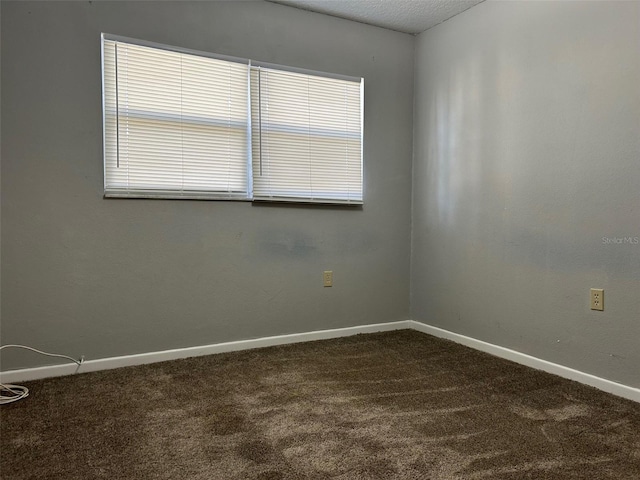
(398, 405)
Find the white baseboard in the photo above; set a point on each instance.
(522, 358)
(27, 374)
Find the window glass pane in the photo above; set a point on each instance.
(307, 139)
(173, 122)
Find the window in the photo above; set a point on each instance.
(175, 124)
(184, 124)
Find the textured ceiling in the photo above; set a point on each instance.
(408, 16)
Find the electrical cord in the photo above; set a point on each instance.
(12, 393)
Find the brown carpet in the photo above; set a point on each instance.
(398, 405)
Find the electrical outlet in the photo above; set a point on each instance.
(327, 278)
(597, 299)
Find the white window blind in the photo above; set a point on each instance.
(307, 137)
(185, 124)
(175, 124)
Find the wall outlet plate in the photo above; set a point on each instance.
(327, 278)
(597, 299)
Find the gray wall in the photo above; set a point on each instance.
(85, 275)
(527, 154)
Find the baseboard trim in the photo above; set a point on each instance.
(37, 373)
(27, 374)
(609, 386)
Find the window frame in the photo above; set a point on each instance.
(213, 195)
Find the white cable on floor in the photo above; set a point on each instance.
(12, 393)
